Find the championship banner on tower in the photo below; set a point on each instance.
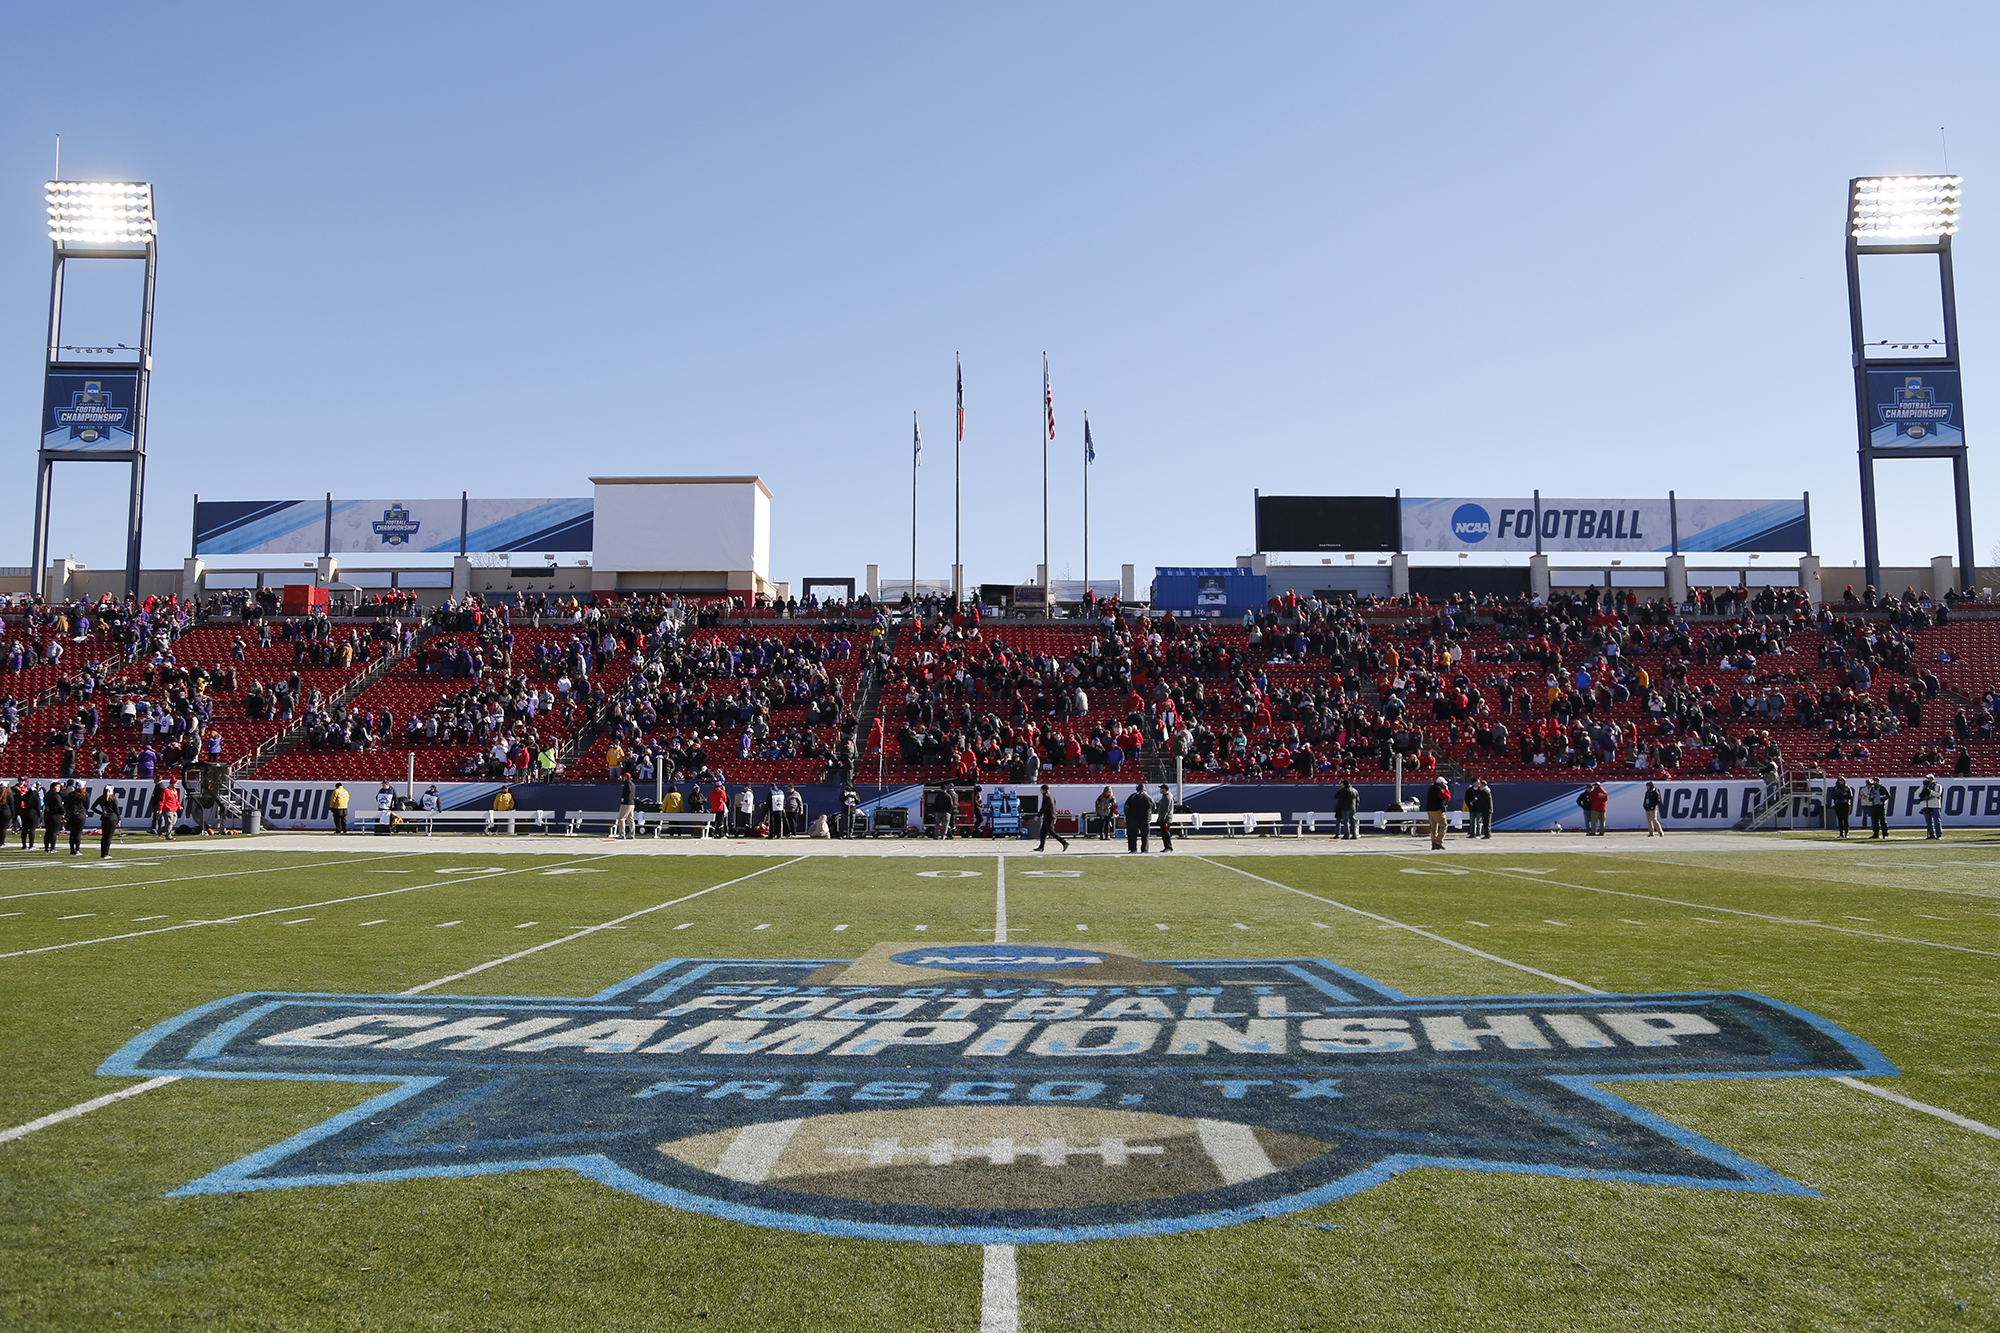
(1914, 410)
(89, 411)
(362, 527)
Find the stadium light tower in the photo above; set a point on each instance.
(94, 410)
(1907, 406)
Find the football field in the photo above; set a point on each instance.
(1534, 1083)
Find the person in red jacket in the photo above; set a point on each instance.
(1595, 800)
(170, 809)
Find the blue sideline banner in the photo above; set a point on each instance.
(1914, 409)
(1458, 523)
(1689, 804)
(364, 527)
(89, 411)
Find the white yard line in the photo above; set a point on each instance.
(184, 879)
(1416, 930)
(999, 1292)
(1738, 911)
(275, 911)
(1953, 1117)
(83, 1108)
(614, 923)
(1000, 904)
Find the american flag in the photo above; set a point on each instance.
(961, 399)
(1048, 398)
(1089, 449)
(917, 429)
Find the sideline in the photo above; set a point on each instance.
(183, 879)
(1733, 911)
(1415, 930)
(591, 930)
(274, 911)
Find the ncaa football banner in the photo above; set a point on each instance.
(90, 411)
(1914, 409)
(1604, 526)
(994, 1093)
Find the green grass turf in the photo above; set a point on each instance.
(1902, 1237)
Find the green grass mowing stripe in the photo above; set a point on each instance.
(1415, 930)
(1735, 911)
(70, 1113)
(274, 911)
(591, 930)
(184, 879)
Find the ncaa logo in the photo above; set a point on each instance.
(985, 1094)
(1470, 524)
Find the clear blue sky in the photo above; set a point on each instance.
(1456, 248)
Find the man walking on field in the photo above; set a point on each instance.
(1436, 801)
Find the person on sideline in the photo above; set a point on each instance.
(1652, 804)
(1138, 820)
(170, 809)
(1107, 814)
(1436, 801)
(338, 801)
(1166, 804)
(1045, 811)
(1840, 799)
(1931, 797)
(628, 803)
(1347, 811)
(1479, 810)
(1876, 798)
(106, 806)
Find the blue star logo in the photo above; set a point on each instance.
(996, 1094)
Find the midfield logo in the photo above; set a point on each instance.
(995, 1093)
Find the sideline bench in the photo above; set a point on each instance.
(486, 820)
(1411, 821)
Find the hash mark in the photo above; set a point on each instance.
(379, 922)
(300, 922)
(442, 924)
(525, 924)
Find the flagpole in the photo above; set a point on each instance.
(916, 437)
(957, 557)
(1048, 404)
(1086, 502)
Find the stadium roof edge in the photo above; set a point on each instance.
(758, 482)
